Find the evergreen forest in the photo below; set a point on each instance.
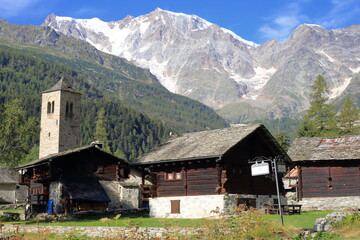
(128, 131)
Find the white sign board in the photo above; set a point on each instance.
(258, 169)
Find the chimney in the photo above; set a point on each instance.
(97, 144)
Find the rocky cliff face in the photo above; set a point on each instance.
(201, 60)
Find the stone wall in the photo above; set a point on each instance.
(190, 206)
(21, 193)
(55, 191)
(112, 189)
(205, 205)
(59, 132)
(124, 194)
(330, 203)
(7, 193)
(97, 232)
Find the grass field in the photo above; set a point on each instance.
(249, 225)
(304, 220)
(12, 210)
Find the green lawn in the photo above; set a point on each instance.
(12, 210)
(303, 220)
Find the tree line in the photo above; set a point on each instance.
(322, 119)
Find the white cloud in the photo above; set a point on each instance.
(342, 12)
(11, 8)
(283, 22)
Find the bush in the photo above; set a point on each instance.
(243, 224)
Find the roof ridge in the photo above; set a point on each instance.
(61, 85)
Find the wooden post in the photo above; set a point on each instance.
(185, 180)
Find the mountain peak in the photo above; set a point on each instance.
(198, 59)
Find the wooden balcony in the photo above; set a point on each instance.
(24, 180)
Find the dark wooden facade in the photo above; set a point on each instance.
(79, 166)
(197, 178)
(229, 173)
(329, 179)
(328, 167)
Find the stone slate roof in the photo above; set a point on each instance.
(85, 188)
(318, 149)
(7, 176)
(200, 145)
(61, 86)
(64, 154)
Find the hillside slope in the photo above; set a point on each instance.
(114, 77)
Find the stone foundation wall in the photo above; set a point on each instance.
(55, 191)
(125, 197)
(7, 193)
(330, 203)
(96, 232)
(190, 206)
(205, 205)
(112, 188)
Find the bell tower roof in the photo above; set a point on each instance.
(61, 85)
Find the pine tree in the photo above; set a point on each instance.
(348, 117)
(101, 134)
(319, 120)
(283, 140)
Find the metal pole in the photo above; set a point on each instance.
(277, 189)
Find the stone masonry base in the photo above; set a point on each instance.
(330, 203)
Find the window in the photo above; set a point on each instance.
(49, 107)
(69, 109)
(124, 173)
(173, 176)
(170, 176)
(175, 206)
(52, 106)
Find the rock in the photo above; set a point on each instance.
(326, 223)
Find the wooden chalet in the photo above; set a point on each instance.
(74, 180)
(328, 171)
(198, 174)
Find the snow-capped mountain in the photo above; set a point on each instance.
(193, 57)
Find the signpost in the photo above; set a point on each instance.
(260, 166)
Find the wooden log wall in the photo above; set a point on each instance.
(330, 181)
(201, 181)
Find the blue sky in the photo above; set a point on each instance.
(253, 20)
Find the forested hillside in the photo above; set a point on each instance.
(115, 77)
(24, 77)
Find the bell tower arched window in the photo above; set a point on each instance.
(52, 106)
(49, 107)
(69, 110)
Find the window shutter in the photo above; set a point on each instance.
(175, 206)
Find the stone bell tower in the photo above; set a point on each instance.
(60, 119)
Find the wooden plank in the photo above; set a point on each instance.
(330, 181)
